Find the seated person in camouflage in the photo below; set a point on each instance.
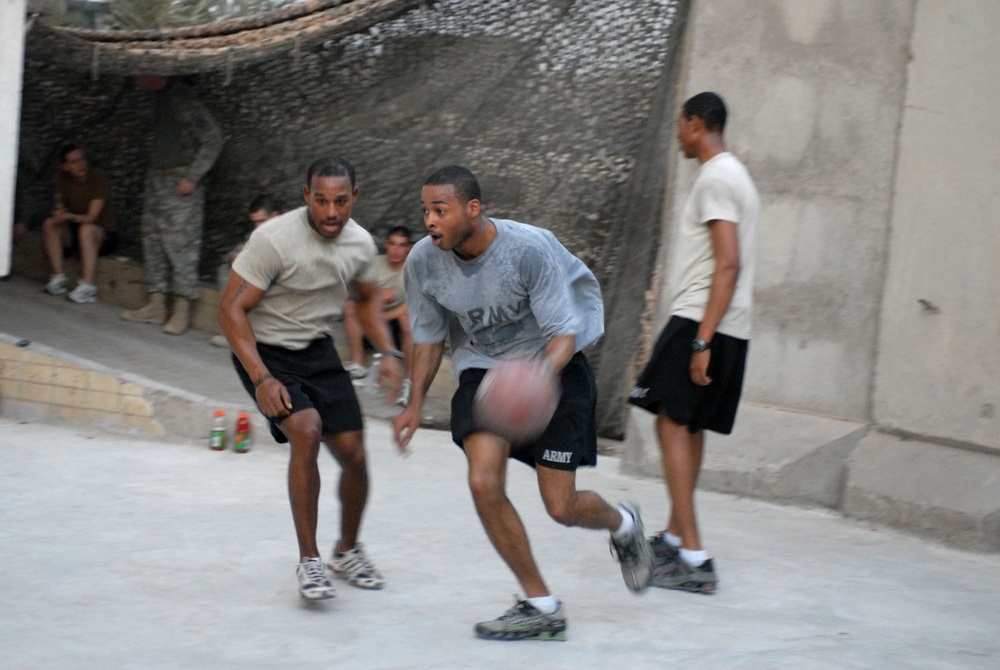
(82, 217)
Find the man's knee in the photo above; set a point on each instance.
(562, 511)
(303, 430)
(349, 450)
(484, 485)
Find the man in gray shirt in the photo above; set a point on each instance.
(500, 291)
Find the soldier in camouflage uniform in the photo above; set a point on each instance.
(186, 143)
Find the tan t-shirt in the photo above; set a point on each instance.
(304, 276)
(722, 191)
(390, 279)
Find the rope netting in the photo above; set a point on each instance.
(217, 46)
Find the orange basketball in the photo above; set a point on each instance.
(516, 400)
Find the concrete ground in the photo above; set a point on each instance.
(121, 551)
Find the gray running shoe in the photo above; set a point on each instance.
(524, 622)
(355, 566)
(677, 574)
(663, 551)
(633, 553)
(58, 285)
(83, 293)
(313, 584)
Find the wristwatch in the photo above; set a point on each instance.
(699, 345)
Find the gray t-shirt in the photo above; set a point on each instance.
(506, 303)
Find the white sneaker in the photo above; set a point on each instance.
(313, 583)
(355, 566)
(358, 372)
(404, 393)
(83, 293)
(58, 285)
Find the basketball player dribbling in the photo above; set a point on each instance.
(502, 290)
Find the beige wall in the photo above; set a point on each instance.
(879, 175)
(815, 90)
(939, 362)
(11, 59)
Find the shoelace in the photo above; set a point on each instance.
(522, 611)
(315, 571)
(357, 563)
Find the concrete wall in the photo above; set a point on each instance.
(11, 48)
(870, 129)
(875, 145)
(814, 90)
(939, 351)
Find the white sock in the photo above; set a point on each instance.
(544, 604)
(671, 539)
(628, 523)
(57, 276)
(306, 559)
(693, 557)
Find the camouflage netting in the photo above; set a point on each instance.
(562, 107)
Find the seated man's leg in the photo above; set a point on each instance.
(91, 236)
(55, 236)
(355, 343)
(355, 335)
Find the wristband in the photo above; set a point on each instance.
(393, 353)
(260, 381)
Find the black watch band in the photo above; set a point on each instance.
(698, 345)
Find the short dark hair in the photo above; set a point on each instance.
(400, 231)
(330, 166)
(66, 149)
(266, 202)
(460, 178)
(708, 107)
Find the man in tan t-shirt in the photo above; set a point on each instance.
(286, 290)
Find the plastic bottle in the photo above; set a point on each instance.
(217, 440)
(241, 441)
(374, 382)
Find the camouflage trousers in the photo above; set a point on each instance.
(171, 235)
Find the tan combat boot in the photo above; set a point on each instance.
(154, 311)
(180, 318)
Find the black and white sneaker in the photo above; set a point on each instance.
(355, 566)
(633, 552)
(676, 574)
(524, 621)
(663, 551)
(313, 584)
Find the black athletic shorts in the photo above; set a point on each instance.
(314, 377)
(569, 441)
(665, 385)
